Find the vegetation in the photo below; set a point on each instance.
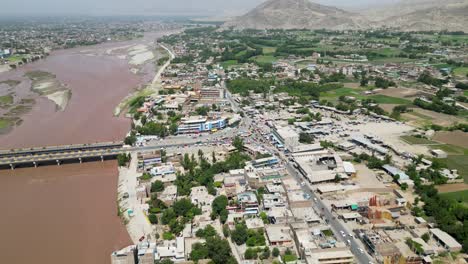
(123, 159)
(215, 248)
(219, 208)
(449, 215)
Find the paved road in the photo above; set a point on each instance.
(334, 223)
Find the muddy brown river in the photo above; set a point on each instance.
(68, 214)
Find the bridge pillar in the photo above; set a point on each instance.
(102, 158)
(12, 166)
(58, 162)
(81, 160)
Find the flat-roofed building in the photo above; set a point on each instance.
(320, 168)
(330, 256)
(279, 235)
(446, 240)
(285, 137)
(126, 255)
(212, 93)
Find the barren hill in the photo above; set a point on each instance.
(289, 14)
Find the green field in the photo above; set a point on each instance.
(227, 64)
(265, 59)
(462, 71)
(269, 50)
(16, 58)
(417, 141)
(460, 163)
(11, 83)
(6, 100)
(335, 94)
(461, 196)
(451, 149)
(4, 123)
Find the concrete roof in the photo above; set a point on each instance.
(447, 239)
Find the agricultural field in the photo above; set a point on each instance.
(265, 59)
(461, 72)
(229, 63)
(6, 99)
(460, 196)
(417, 141)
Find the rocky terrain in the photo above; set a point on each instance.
(289, 14)
(408, 15)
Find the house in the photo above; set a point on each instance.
(446, 240)
(279, 235)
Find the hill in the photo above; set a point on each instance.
(296, 14)
(416, 15)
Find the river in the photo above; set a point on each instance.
(68, 213)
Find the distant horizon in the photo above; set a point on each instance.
(152, 7)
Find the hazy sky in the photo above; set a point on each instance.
(159, 7)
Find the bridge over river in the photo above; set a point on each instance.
(57, 155)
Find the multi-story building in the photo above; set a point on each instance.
(212, 93)
(201, 124)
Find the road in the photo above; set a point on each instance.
(335, 224)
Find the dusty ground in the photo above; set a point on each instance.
(367, 177)
(457, 138)
(405, 93)
(388, 107)
(452, 187)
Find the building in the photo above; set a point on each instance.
(147, 159)
(199, 124)
(199, 196)
(446, 240)
(330, 256)
(349, 169)
(212, 93)
(285, 137)
(279, 235)
(369, 145)
(163, 170)
(248, 203)
(397, 173)
(438, 153)
(265, 162)
(126, 255)
(321, 167)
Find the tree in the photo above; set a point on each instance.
(206, 232)
(157, 186)
(239, 235)
(305, 138)
(219, 251)
(238, 143)
(199, 251)
(275, 252)
(213, 157)
(219, 204)
(123, 159)
(266, 253)
(164, 261)
(250, 253)
(153, 219)
(404, 186)
(337, 178)
(426, 237)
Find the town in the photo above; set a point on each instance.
(299, 146)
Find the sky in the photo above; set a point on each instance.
(149, 7)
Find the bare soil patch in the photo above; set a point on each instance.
(457, 138)
(452, 187)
